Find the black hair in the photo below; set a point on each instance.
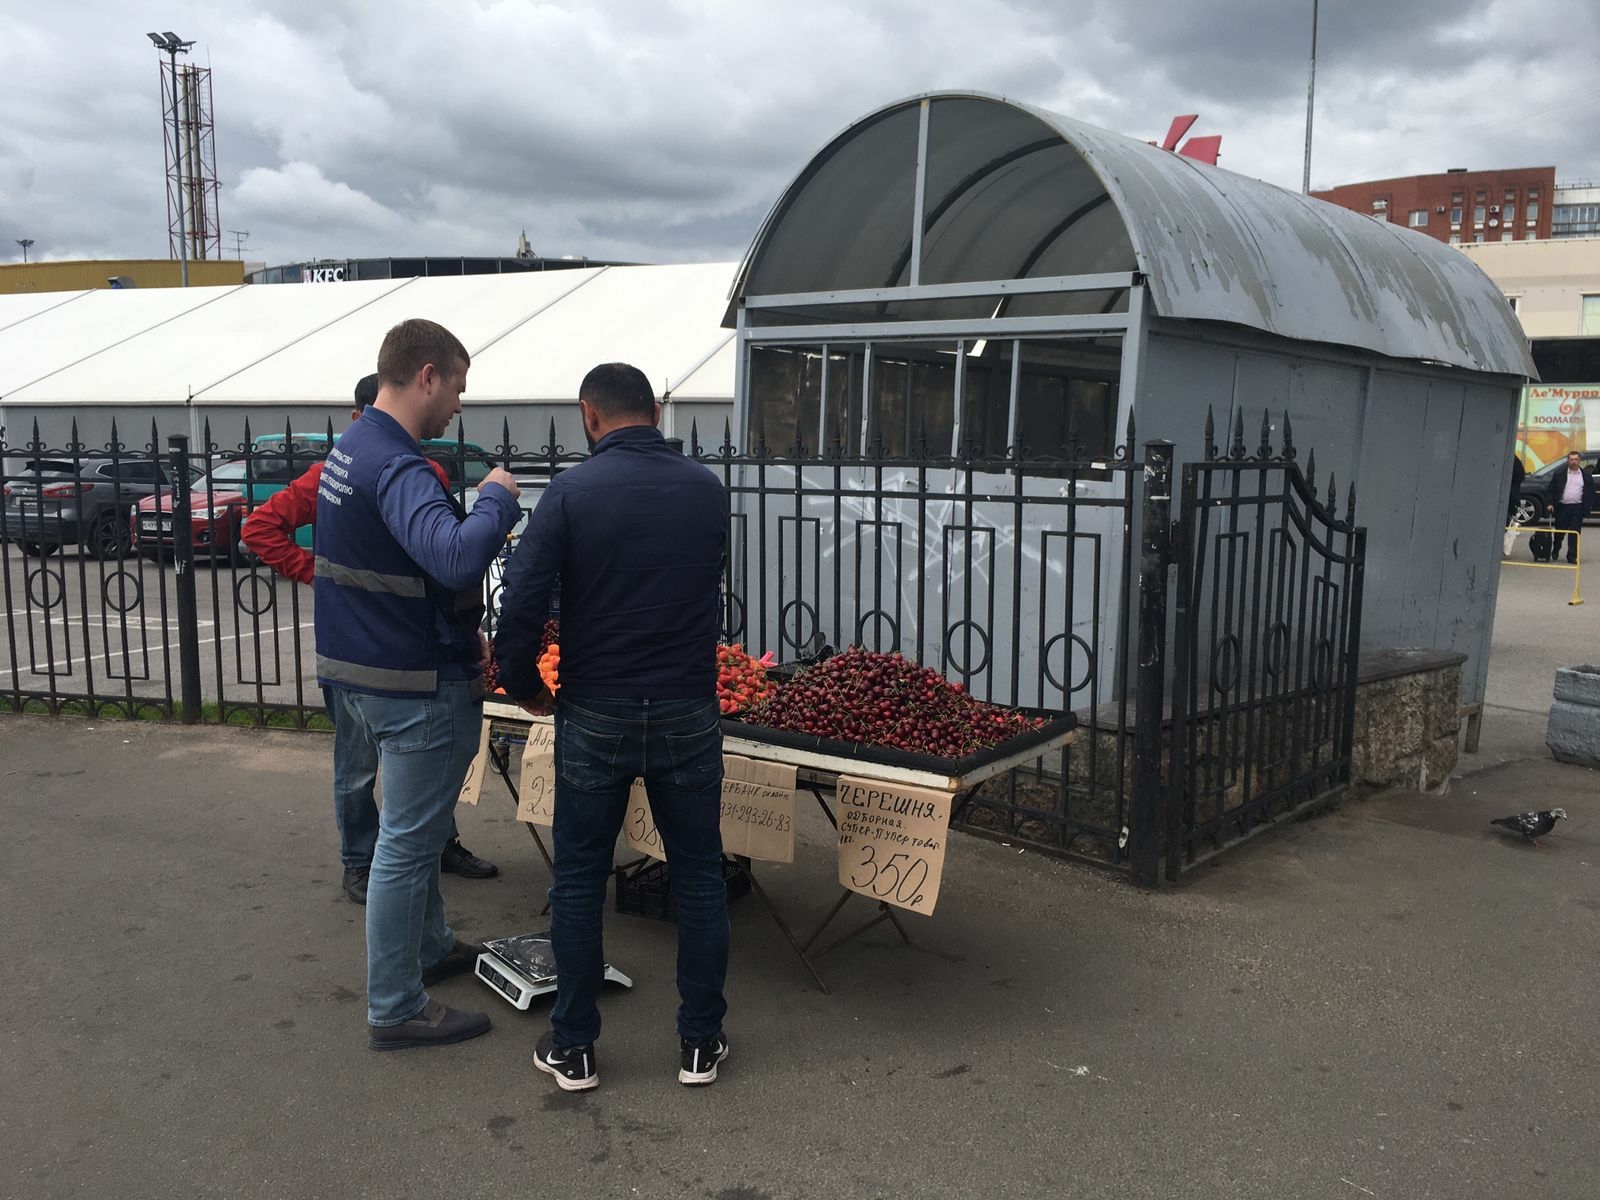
(618, 391)
(366, 392)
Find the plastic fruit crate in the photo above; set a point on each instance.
(646, 891)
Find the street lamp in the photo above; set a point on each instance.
(24, 243)
(172, 45)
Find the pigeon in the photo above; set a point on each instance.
(1532, 825)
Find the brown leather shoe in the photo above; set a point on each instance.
(462, 958)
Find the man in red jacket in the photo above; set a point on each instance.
(269, 534)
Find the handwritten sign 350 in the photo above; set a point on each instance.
(892, 841)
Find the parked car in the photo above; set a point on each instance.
(275, 461)
(54, 502)
(217, 514)
(1532, 499)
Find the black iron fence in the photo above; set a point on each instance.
(128, 593)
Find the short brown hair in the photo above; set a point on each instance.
(412, 345)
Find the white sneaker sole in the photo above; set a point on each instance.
(701, 1078)
(565, 1084)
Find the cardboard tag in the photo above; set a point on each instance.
(536, 788)
(472, 785)
(639, 824)
(892, 841)
(758, 809)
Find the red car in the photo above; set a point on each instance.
(217, 515)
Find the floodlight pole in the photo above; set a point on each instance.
(172, 45)
(24, 243)
(1311, 97)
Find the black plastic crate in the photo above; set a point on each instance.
(646, 891)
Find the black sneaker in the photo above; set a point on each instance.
(458, 860)
(698, 1060)
(574, 1067)
(355, 883)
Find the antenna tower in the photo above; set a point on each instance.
(186, 107)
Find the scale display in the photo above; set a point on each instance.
(520, 968)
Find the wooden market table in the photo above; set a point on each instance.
(819, 766)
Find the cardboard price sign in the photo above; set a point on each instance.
(892, 841)
(639, 824)
(757, 812)
(757, 809)
(472, 785)
(536, 803)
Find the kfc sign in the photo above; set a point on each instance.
(321, 274)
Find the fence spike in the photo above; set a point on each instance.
(1288, 436)
(247, 438)
(115, 444)
(1237, 450)
(1265, 449)
(1333, 496)
(1311, 473)
(727, 437)
(330, 433)
(207, 448)
(505, 441)
(1350, 505)
(36, 447)
(1130, 431)
(155, 437)
(694, 437)
(1211, 435)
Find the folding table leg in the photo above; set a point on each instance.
(502, 766)
(783, 926)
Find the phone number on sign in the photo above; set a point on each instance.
(759, 818)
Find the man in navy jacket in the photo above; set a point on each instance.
(635, 537)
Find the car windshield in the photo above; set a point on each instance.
(1588, 461)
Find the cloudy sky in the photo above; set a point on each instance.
(662, 130)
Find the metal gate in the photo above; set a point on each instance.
(1266, 637)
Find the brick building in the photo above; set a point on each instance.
(1459, 206)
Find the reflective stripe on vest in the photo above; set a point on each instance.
(371, 581)
(383, 679)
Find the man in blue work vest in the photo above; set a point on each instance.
(399, 597)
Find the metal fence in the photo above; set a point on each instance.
(127, 593)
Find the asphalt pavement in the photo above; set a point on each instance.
(1389, 1000)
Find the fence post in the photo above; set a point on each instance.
(183, 556)
(1155, 556)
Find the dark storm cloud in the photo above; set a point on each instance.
(663, 131)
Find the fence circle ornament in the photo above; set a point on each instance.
(731, 604)
(1088, 663)
(46, 588)
(259, 586)
(130, 591)
(879, 618)
(1322, 663)
(965, 667)
(1226, 663)
(1277, 656)
(802, 633)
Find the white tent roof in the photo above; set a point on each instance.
(20, 306)
(171, 362)
(532, 337)
(663, 320)
(41, 347)
(324, 366)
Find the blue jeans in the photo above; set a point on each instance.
(355, 770)
(424, 749)
(602, 746)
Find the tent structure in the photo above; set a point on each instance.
(277, 354)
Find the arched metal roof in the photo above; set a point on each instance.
(1014, 192)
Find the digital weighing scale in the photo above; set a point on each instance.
(520, 968)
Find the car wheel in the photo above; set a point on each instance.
(1526, 511)
(110, 538)
(39, 549)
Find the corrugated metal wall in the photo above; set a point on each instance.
(145, 273)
